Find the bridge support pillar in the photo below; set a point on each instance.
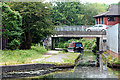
(53, 43)
(101, 44)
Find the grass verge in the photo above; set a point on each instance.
(13, 57)
(71, 57)
(89, 55)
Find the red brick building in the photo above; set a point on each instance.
(111, 17)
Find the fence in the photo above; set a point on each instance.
(112, 38)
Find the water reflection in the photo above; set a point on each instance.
(87, 69)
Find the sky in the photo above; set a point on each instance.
(101, 1)
(92, 1)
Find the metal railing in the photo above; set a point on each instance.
(71, 28)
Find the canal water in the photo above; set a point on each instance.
(84, 69)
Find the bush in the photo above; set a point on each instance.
(39, 49)
(66, 45)
(94, 46)
(14, 44)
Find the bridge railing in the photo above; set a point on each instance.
(72, 28)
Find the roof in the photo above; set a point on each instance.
(113, 10)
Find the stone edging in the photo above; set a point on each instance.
(26, 67)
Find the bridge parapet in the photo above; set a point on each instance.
(80, 33)
(72, 28)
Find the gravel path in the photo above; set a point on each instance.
(53, 52)
(53, 56)
(56, 58)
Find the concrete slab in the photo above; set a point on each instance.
(53, 52)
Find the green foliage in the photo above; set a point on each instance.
(39, 49)
(60, 45)
(87, 44)
(66, 45)
(110, 59)
(13, 57)
(66, 13)
(114, 61)
(105, 52)
(14, 44)
(11, 20)
(92, 9)
(76, 13)
(36, 19)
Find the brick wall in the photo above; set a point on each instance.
(117, 20)
(113, 54)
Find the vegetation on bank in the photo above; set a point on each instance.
(13, 57)
(110, 59)
(88, 55)
(87, 44)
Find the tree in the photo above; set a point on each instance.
(76, 13)
(36, 21)
(92, 9)
(67, 13)
(11, 20)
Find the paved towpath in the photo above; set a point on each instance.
(52, 56)
(56, 58)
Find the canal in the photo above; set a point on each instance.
(84, 69)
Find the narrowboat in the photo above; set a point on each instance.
(75, 47)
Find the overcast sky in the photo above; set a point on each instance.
(93, 1)
(102, 1)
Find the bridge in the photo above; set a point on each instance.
(79, 32)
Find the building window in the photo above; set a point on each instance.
(102, 20)
(99, 20)
(96, 20)
(111, 18)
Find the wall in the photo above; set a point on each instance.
(119, 39)
(117, 20)
(112, 38)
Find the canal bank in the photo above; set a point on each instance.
(57, 61)
(84, 69)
